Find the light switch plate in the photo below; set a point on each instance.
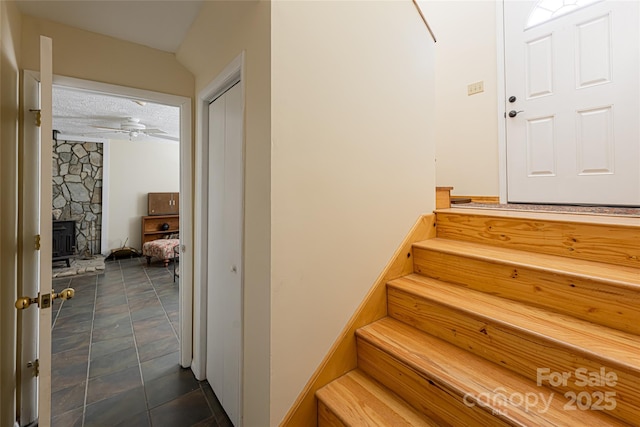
(474, 88)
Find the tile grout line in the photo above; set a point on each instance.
(86, 383)
(166, 315)
(135, 343)
(55, 319)
(209, 404)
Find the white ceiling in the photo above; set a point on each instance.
(161, 24)
(77, 112)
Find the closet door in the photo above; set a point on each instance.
(225, 251)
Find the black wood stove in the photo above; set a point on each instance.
(64, 241)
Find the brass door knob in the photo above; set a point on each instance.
(65, 294)
(25, 302)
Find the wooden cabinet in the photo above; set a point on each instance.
(163, 203)
(152, 227)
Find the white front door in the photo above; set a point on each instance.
(35, 318)
(225, 251)
(572, 107)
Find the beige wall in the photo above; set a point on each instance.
(466, 126)
(86, 55)
(221, 32)
(150, 167)
(10, 23)
(352, 167)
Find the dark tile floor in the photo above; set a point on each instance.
(115, 353)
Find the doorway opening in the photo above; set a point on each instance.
(79, 313)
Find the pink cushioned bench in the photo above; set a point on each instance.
(161, 249)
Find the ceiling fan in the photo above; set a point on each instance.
(134, 128)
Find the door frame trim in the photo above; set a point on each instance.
(186, 198)
(234, 71)
(501, 106)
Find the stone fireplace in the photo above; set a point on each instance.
(77, 191)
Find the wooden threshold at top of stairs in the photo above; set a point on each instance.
(459, 382)
(616, 348)
(578, 218)
(356, 399)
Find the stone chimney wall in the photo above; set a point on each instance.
(77, 190)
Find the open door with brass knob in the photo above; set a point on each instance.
(34, 307)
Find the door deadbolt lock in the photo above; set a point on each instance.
(512, 99)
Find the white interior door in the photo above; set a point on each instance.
(572, 90)
(225, 251)
(35, 319)
(30, 213)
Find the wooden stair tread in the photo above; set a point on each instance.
(358, 400)
(611, 220)
(623, 276)
(616, 347)
(464, 374)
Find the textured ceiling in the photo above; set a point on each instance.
(161, 24)
(77, 112)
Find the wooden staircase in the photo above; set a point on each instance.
(509, 318)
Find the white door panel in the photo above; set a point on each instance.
(37, 294)
(215, 318)
(225, 251)
(30, 213)
(575, 138)
(46, 189)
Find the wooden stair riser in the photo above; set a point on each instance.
(603, 243)
(516, 349)
(404, 353)
(355, 399)
(327, 418)
(427, 395)
(590, 299)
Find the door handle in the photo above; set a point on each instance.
(514, 113)
(44, 301)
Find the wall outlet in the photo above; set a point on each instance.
(474, 88)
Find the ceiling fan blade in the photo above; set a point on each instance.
(104, 132)
(108, 128)
(171, 138)
(147, 130)
(92, 117)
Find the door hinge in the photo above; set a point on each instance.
(38, 116)
(37, 242)
(36, 367)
